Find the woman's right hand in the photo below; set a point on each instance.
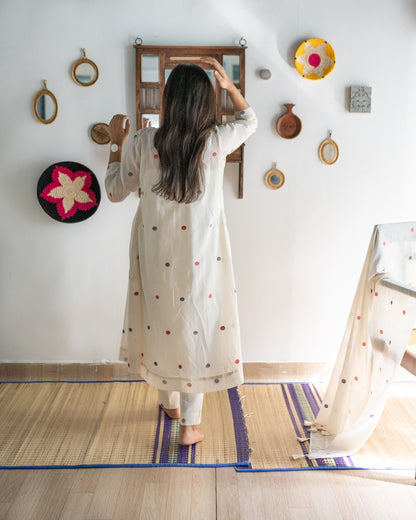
(219, 73)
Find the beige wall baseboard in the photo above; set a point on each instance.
(118, 371)
(253, 372)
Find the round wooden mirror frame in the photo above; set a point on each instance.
(38, 95)
(79, 62)
(268, 179)
(328, 142)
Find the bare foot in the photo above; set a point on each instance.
(173, 413)
(189, 435)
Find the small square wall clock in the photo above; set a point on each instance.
(360, 99)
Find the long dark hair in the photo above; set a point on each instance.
(188, 116)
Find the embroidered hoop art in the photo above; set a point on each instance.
(315, 59)
(68, 192)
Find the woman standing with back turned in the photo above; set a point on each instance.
(181, 330)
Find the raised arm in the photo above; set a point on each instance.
(238, 101)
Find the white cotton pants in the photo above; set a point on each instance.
(190, 404)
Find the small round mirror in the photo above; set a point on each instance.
(45, 106)
(84, 71)
(274, 179)
(328, 151)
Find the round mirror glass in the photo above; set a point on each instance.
(275, 179)
(329, 153)
(85, 72)
(45, 107)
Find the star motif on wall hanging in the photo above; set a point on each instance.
(69, 191)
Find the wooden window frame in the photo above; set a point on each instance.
(169, 56)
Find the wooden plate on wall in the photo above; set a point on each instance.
(289, 125)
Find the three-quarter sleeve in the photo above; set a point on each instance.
(123, 178)
(232, 135)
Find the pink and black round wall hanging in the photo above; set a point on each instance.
(68, 192)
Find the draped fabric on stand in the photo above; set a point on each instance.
(382, 316)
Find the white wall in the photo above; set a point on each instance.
(297, 252)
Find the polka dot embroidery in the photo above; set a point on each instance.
(237, 361)
(364, 344)
(182, 299)
(207, 365)
(168, 332)
(358, 317)
(412, 229)
(216, 380)
(222, 328)
(157, 296)
(164, 382)
(130, 174)
(148, 327)
(154, 228)
(155, 363)
(183, 421)
(183, 228)
(356, 378)
(180, 367)
(136, 294)
(167, 264)
(376, 294)
(155, 156)
(404, 312)
(197, 263)
(381, 331)
(218, 259)
(210, 296)
(195, 332)
(344, 381)
(130, 330)
(214, 154)
(189, 385)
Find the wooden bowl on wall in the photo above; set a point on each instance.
(289, 125)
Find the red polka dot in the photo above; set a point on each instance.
(142, 354)
(381, 331)
(356, 378)
(168, 332)
(376, 294)
(157, 296)
(110, 194)
(237, 361)
(179, 366)
(222, 328)
(214, 154)
(364, 344)
(128, 364)
(196, 263)
(404, 312)
(136, 294)
(156, 156)
(189, 384)
(210, 296)
(384, 243)
(184, 227)
(358, 317)
(412, 229)
(183, 421)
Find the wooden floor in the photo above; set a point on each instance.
(208, 493)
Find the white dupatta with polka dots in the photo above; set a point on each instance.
(378, 330)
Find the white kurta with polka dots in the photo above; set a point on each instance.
(181, 329)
